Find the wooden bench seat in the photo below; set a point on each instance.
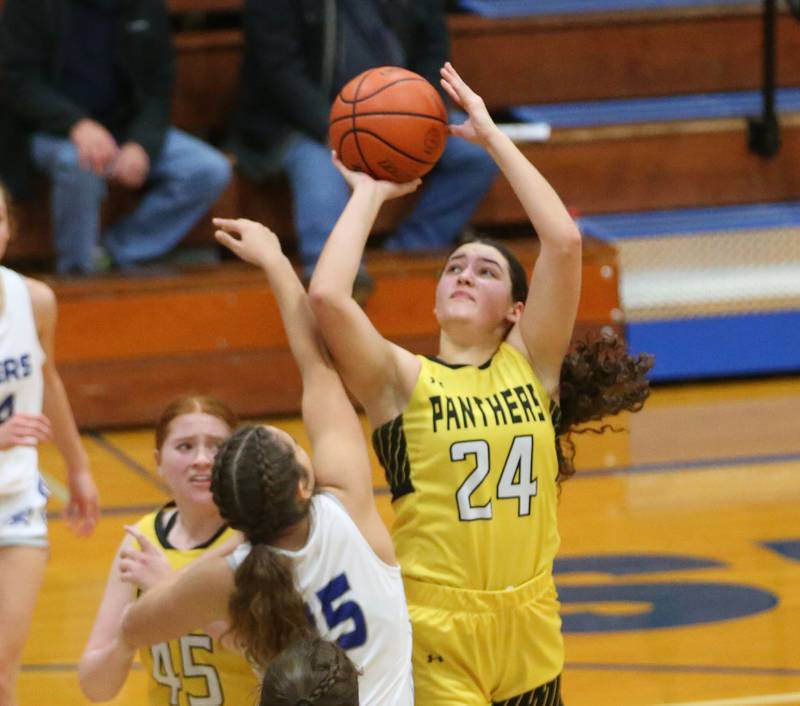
(126, 346)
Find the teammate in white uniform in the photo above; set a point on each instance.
(33, 408)
(318, 552)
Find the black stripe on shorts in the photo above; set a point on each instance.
(545, 695)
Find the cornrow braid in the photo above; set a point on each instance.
(254, 483)
(327, 682)
(311, 672)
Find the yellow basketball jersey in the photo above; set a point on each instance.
(472, 467)
(194, 670)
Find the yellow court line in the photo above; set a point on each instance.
(765, 700)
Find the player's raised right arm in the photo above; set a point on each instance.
(339, 452)
(375, 370)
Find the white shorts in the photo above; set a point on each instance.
(23, 517)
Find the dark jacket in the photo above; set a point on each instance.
(289, 47)
(32, 51)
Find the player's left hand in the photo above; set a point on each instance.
(144, 567)
(479, 125)
(83, 510)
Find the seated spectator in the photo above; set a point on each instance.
(298, 55)
(85, 98)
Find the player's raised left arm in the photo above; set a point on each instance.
(545, 327)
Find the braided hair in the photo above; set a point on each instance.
(254, 483)
(311, 672)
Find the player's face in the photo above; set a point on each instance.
(475, 288)
(187, 456)
(306, 487)
(4, 226)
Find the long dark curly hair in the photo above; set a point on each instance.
(312, 672)
(254, 483)
(599, 377)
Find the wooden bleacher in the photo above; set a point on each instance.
(127, 346)
(218, 331)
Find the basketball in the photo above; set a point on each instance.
(390, 123)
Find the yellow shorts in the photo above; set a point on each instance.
(480, 647)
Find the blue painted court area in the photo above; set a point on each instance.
(523, 8)
(732, 104)
(686, 221)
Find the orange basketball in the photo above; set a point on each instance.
(390, 123)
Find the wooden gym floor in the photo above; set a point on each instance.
(679, 570)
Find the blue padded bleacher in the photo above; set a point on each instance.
(720, 295)
(733, 104)
(613, 227)
(524, 8)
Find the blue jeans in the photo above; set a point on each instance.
(450, 193)
(183, 183)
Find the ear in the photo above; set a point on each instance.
(305, 488)
(514, 312)
(157, 457)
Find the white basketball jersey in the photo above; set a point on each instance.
(356, 600)
(21, 382)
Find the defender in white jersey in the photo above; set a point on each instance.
(33, 408)
(353, 597)
(318, 558)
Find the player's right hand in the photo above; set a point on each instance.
(386, 189)
(248, 240)
(24, 430)
(145, 567)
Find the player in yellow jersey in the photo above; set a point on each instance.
(194, 668)
(469, 439)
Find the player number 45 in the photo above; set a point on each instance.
(516, 480)
(165, 673)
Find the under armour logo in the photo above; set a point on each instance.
(435, 658)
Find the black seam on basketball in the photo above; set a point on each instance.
(382, 88)
(371, 171)
(388, 144)
(366, 115)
